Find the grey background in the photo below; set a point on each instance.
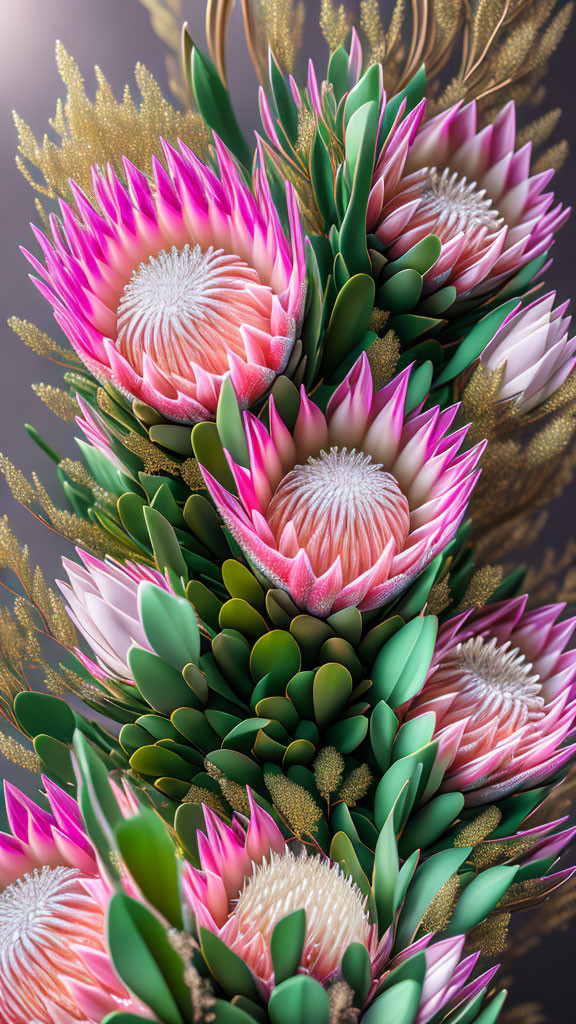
(115, 34)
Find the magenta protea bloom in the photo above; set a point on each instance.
(503, 688)
(54, 962)
(352, 505)
(535, 352)
(174, 284)
(468, 187)
(102, 601)
(250, 879)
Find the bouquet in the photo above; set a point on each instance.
(301, 722)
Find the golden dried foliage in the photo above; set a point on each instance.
(558, 912)
(529, 460)
(383, 356)
(356, 785)
(103, 130)
(60, 402)
(328, 771)
(480, 827)
(482, 585)
(341, 1008)
(295, 804)
(440, 597)
(274, 24)
(17, 753)
(335, 23)
(491, 936)
(89, 535)
(202, 795)
(525, 1013)
(43, 345)
(441, 908)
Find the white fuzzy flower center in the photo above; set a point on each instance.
(339, 503)
(456, 203)
(43, 916)
(499, 680)
(187, 306)
(335, 909)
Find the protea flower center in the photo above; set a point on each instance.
(457, 204)
(494, 684)
(339, 503)
(44, 917)
(188, 305)
(335, 910)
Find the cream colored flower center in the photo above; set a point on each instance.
(340, 503)
(335, 909)
(456, 203)
(497, 681)
(43, 915)
(188, 305)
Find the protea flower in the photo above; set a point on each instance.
(102, 601)
(251, 878)
(471, 189)
(54, 962)
(354, 503)
(533, 349)
(503, 688)
(174, 284)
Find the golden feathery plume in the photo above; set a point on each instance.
(103, 130)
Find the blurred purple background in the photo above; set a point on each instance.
(115, 34)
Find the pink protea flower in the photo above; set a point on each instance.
(469, 187)
(503, 689)
(354, 503)
(174, 284)
(54, 962)
(102, 601)
(534, 351)
(94, 430)
(250, 879)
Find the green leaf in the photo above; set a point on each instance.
(349, 322)
(145, 960)
(383, 726)
(161, 685)
(42, 713)
(228, 969)
(214, 104)
(277, 655)
(164, 543)
(480, 897)
(430, 823)
(401, 666)
(475, 342)
(398, 1004)
(97, 801)
(331, 692)
(149, 855)
(299, 1000)
(427, 882)
(169, 624)
(229, 423)
(286, 945)
(357, 971)
(385, 876)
